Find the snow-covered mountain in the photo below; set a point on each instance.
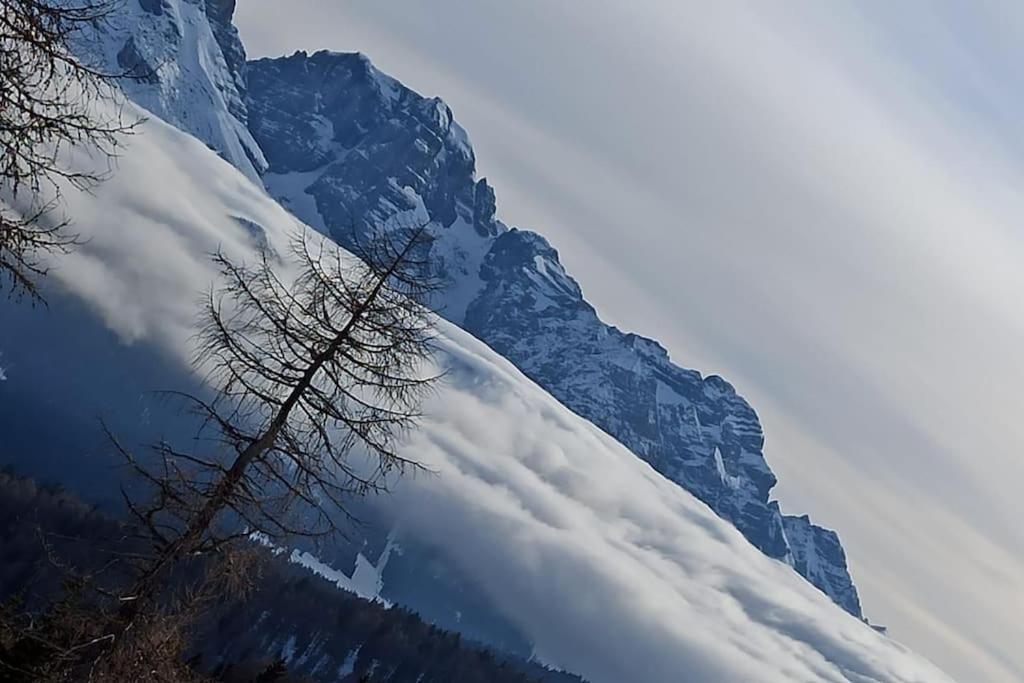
(610, 569)
(346, 147)
(349, 147)
(182, 61)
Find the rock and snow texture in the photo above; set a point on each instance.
(186, 64)
(818, 555)
(612, 570)
(349, 147)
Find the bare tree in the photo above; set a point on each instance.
(316, 376)
(72, 639)
(316, 379)
(50, 101)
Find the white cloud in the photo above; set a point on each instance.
(819, 201)
(612, 570)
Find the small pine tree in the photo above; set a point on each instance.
(275, 672)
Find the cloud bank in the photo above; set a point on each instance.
(612, 570)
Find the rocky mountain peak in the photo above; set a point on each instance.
(350, 148)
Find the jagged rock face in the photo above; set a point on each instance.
(370, 137)
(219, 13)
(696, 431)
(819, 556)
(187, 66)
(350, 148)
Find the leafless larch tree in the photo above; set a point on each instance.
(317, 365)
(306, 371)
(316, 379)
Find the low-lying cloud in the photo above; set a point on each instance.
(610, 569)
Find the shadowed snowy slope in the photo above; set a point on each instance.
(610, 569)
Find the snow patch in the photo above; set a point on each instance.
(290, 190)
(732, 481)
(366, 581)
(288, 649)
(349, 665)
(389, 88)
(190, 85)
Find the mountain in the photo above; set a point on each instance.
(349, 148)
(608, 568)
(184, 62)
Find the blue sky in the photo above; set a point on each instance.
(819, 201)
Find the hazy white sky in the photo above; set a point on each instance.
(819, 201)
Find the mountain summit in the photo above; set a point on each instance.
(348, 148)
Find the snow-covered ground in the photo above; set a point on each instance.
(613, 571)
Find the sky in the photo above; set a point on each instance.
(818, 201)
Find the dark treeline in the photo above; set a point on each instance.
(292, 627)
(322, 631)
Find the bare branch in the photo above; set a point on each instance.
(316, 379)
(50, 102)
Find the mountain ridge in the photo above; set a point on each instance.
(347, 148)
(382, 152)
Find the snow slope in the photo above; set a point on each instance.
(188, 66)
(612, 571)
